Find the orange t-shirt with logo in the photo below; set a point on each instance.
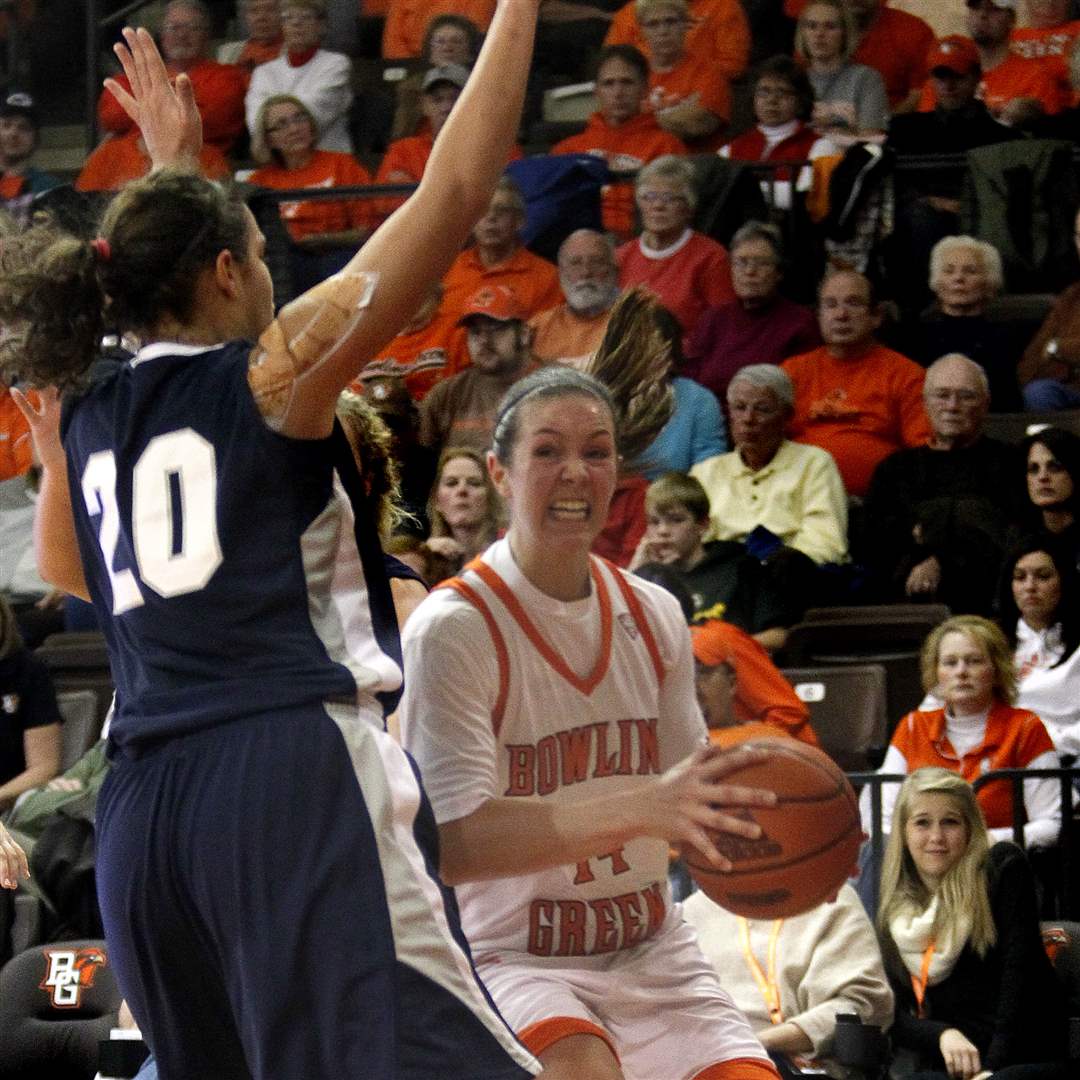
(719, 32)
(327, 169)
(533, 280)
(860, 409)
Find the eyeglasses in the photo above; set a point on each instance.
(774, 92)
(664, 22)
(753, 262)
(659, 198)
(286, 122)
(597, 264)
(761, 409)
(961, 397)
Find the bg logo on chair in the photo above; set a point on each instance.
(69, 972)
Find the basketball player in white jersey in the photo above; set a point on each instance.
(550, 705)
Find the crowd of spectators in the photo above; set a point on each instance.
(824, 446)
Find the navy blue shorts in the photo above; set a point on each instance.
(270, 909)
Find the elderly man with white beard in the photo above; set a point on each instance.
(589, 276)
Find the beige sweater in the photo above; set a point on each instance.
(827, 961)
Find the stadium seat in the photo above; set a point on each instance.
(1014, 427)
(56, 1003)
(82, 724)
(80, 661)
(847, 711)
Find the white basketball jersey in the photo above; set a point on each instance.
(580, 711)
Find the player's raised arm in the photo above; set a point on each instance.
(319, 342)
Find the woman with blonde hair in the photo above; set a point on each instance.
(967, 664)
(959, 933)
(849, 98)
(464, 509)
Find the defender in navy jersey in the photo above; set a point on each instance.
(265, 853)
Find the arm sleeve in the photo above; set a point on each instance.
(872, 110)
(914, 426)
(732, 42)
(39, 697)
(761, 692)
(450, 691)
(1042, 806)
(822, 534)
(221, 104)
(257, 92)
(334, 95)
(844, 974)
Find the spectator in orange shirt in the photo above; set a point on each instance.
(263, 43)
(497, 257)
(1016, 90)
(1049, 32)
(449, 39)
(428, 349)
(407, 21)
(738, 684)
(219, 88)
(16, 449)
(687, 270)
(621, 133)
(688, 94)
(119, 160)
(330, 230)
(405, 159)
(853, 397)
(589, 275)
(719, 31)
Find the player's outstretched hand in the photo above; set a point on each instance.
(44, 421)
(13, 863)
(165, 113)
(691, 798)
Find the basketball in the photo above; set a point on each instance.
(808, 841)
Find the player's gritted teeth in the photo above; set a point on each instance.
(570, 510)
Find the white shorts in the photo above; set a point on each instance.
(658, 1005)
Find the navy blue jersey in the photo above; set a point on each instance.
(217, 546)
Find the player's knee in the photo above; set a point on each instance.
(580, 1057)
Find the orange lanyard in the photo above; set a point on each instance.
(919, 982)
(770, 991)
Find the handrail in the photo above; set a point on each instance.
(1066, 774)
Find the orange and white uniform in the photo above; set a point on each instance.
(513, 694)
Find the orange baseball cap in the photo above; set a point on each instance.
(956, 53)
(497, 302)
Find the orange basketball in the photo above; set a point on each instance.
(808, 842)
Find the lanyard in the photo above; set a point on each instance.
(770, 991)
(919, 982)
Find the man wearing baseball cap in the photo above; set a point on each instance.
(19, 131)
(928, 201)
(405, 159)
(1015, 89)
(460, 411)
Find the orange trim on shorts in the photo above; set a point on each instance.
(584, 685)
(470, 595)
(638, 613)
(739, 1069)
(538, 1037)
